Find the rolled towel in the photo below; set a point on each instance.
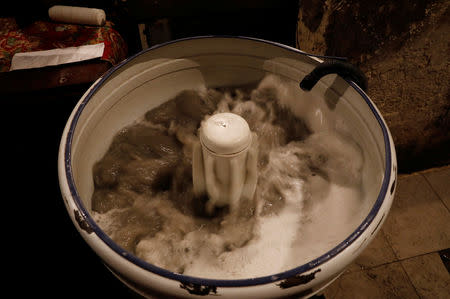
(77, 15)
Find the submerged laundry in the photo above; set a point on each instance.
(308, 196)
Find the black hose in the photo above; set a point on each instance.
(342, 68)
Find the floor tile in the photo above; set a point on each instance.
(439, 180)
(386, 281)
(428, 275)
(332, 290)
(378, 252)
(418, 221)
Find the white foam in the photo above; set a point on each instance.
(317, 178)
(267, 253)
(316, 216)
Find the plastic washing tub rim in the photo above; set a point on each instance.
(224, 282)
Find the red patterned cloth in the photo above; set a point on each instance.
(44, 35)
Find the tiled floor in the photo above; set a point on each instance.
(404, 259)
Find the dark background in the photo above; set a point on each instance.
(43, 254)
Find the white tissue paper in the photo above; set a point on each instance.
(36, 59)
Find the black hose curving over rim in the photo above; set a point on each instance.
(344, 69)
(185, 279)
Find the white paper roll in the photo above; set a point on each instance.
(77, 15)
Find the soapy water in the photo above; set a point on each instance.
(308, 196)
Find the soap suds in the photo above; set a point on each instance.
(308, 196)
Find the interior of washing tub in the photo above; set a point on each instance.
(153, 77)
